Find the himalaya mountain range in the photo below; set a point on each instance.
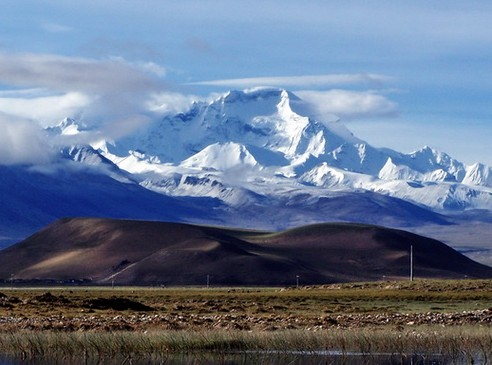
(254, 158)
(260, 142)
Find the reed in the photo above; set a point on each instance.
(453, 343)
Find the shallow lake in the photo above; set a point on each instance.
(238, 359)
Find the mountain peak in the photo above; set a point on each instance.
(68, 127)
(268, 98)
(221, 157)
(265, 118)
(427, 150)
(258, 93)
(428, 159)
(478, 174)
(267, 133)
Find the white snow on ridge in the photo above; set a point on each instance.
(246, 146)
(391, 171)
(478, 174)
(221, 157)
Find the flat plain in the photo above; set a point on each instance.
(395, 303)
(451, 318)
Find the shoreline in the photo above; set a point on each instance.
(447, 343)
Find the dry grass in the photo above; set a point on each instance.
(452, 344)
(401, 297)
(452, 319)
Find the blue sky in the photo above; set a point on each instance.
(400, 74)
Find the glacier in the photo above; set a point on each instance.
(263, 143)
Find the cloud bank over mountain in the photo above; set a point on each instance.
(110, 96)
(114, 97)
(350, 105)
(22, 142)
(417, 66)
(97, 91)
(300, 81)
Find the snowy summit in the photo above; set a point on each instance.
(265, 143)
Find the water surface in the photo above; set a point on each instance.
(297, 358)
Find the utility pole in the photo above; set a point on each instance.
(411, 262)
(208, 281)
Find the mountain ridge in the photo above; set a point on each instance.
(279, 142)
(255, 158)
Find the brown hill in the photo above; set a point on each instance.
(139, 252)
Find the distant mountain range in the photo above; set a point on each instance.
(263, 143)
(102, 251)
(254, 158)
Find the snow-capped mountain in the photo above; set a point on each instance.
(67, 127)
(254, 158)
(246, 146)
(264, 120)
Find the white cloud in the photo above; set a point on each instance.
(301, 81)
(349, 105)
(23, 93)
(170, 102)
(22, 142)
(67, 74)
(102, 91)
(110, 95)
(154, 68)
(45, 109)
(55, 28)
